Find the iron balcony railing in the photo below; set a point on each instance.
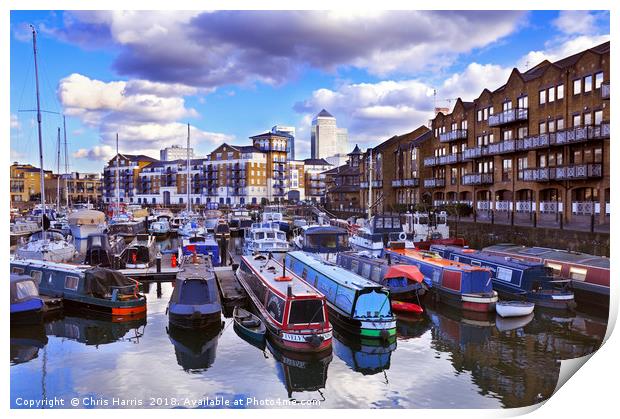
(364, 185)
(477, 179)
(397, 183)
(434, 183)
(569, 172)
(508, 116)
(472, 153)
(431, 161)
(457, 134)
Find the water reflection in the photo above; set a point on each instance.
(366, 356)
(96, 330)
(26, 342)
(195, 350)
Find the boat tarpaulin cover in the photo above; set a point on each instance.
(407, 271)
(101, 281)
(86, 217)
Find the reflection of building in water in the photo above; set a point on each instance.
(195, 350)
(95, 331)
(300, 372)
(26, 342)
(367, 356)
(412, 326)
(519, 366)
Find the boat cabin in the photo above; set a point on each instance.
(324, 239)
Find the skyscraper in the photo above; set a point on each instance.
(326, 138)
(289, 133)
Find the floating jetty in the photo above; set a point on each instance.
(231, 291)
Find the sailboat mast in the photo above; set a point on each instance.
(42, 173)
(118, 194)
(369, 184)
(189, 201)
(64, 128)
(58, 173)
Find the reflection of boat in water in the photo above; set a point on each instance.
(300, 372)
(412, 326)
(194, 351)
(368, 356)
(95, 330)
(505, 324)
(26, 342)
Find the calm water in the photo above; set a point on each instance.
(440, 360)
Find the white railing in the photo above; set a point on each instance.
(503, 205)
(525, 206)
(484, 205)
(550, 207)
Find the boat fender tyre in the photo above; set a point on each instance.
(384, 334)
(402, 236)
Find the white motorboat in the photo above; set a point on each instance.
(160, 229)
(377, 232)
(21, 229)
(191, 228)
(265, 238)
(514, 308)
(53, 248)
(85, 222)
(324, 241)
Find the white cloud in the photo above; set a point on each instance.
(15, 124)
(144, 114)
(576, 22)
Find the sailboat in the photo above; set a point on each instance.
(44, 245)
(190, 226)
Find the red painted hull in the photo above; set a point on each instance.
(403, 307)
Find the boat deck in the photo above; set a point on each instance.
(230, 288)
(167, 272)
(195, 266)
(436, 260)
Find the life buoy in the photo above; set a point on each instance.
(402, 236)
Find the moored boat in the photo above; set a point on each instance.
(356, 304)
(140, 253)
(265, 238)
(94, 289)
(514, 308)
(249, 325)
(457, 284)
(27, 307)
(325, 241)
(516, 279)
(195, 301)
(202, 245)
(85, 222)
(47, 245)
(294, 312)
(160, 229)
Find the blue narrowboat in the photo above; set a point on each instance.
(202, 245)
(27, 307)
(356, 304)
(400, 280)
(515, 279)
(94, 289)
(456, 284)
(195, 301)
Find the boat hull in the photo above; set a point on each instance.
(119, 312)
(468, 302)
(27, 312)
(382, 330)
(64, 255)
(514, 310)
(195, 321)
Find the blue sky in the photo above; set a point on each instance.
(235, 74)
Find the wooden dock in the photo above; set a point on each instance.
(231, 290)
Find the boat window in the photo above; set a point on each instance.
(366, 270)
(556, 267)
(344, 298)
(355, 265)
(423, 220)
(17, 270)
(194, 292)
(36, 276)
(379, 222)
(372, 304)
(578, 273)
(475, 263)
(306, 311)
(304, 273)
(387, 223)
(280, 235)
(275, 306)
(71, 282)
(376, 274)
(26, 289)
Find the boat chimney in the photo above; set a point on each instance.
(389, 259)
(289, 291)
(284, 267)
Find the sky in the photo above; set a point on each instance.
(145, 75)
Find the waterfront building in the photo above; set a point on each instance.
(175, 153)
(75, 187)
(537, 145)
(315, 179)
(326, 138)
(25, 182)
(289, 133)
(342, 184)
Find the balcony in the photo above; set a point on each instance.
(605, 90)
(477, 179)
(457, 134)
(534, 142)
(508, 116)
(415, 182)
(506, 146)
(377, 184)
(364, 185)
(434, 183)
(397, 183)
(472, 153)
(541, 174)
(430, 161)
(578, 171)
(449, 159)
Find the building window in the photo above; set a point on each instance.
(598, 80)
(587, 118)
(559, 124)
(522, 132)
(560, 91)
(542, 128)
(507, 135)
(576, 120)
(542, 161)
(542, 97)
(587, 84)
(506, 106)
(551, 94)
(576, 87)
(598, 117)
(522, 102)
(598, 155)
(506, 169)
(464, 124)
(551, 126)
(485, 113)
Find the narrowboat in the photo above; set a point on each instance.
(358, 305)
(265, 238)
(94, 289)
(589, 274)
(405, 282)
(195, 301)
(27, 307)
(457, 284)
(202, 245)
(514, 278)
(140, 253)
(85, 222)
(294, 312)
(324, 241)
